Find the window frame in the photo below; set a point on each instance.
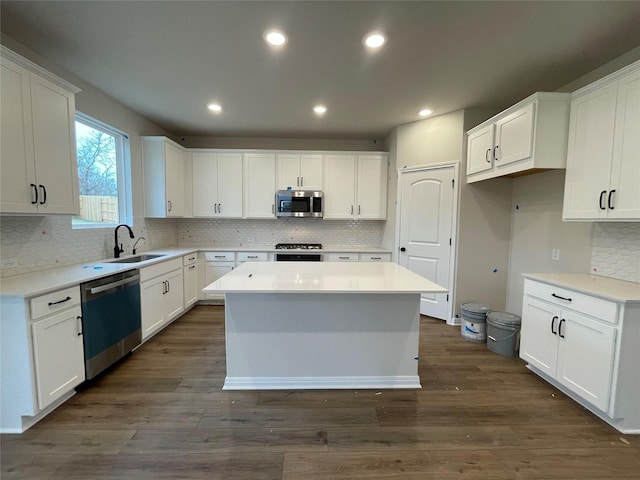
(123, 167)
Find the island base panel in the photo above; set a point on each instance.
(321, 341)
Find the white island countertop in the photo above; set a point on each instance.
(322, 277)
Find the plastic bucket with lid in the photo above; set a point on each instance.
(503, 333)
(474, 321)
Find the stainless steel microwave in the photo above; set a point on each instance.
(299, 203)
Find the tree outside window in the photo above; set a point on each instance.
(100, 152)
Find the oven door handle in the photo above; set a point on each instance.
(108, 286)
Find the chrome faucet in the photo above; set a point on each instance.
(134, 245)
(117, 250)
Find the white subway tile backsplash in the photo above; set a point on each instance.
(270, 232)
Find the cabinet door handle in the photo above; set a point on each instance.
(273, 208)
(169, 205)
(561, 298)
(60, 301)
(560, 328)
(301, 181)
(44, 194)
(600, 202)
(219, 208)
(79, 318)
(495, 152)
(609, 203)
(351, 209)
(164, 287)
(486, 155)
(343, 258)
(192, 267)
(297, 181)
(168, 286)
(35, 197)
(252, 256)
(553, 322)
(358, 209)
(376, 258)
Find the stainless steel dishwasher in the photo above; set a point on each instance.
(111, 319)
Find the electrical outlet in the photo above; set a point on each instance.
(555, 254)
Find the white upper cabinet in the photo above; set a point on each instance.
(37, 140)
(217, 184)
(603, 159)
(355, 187)
(163, 164)
(260, 185)
(299, 171)
(528, 137)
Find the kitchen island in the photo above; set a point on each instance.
(322, 325)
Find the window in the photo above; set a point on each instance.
(103, 175)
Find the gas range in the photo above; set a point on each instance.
(299, 256)
(299, 246)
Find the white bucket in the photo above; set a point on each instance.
(474, 321)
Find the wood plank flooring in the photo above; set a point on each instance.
(161, 414)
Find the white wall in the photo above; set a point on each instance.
(537, 228)
(282, 143)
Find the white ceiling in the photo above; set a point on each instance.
(168, 59)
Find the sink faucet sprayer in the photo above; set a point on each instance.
(117, 250)
(134, 245)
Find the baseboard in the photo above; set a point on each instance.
(321, 383)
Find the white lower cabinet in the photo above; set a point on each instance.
(216, 264)
(41, 355)
(161, 295)
(575, 341)
(190, 274)
(58, 355)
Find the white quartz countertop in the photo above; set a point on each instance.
(51, 279)
(604, 287)
(322, 277)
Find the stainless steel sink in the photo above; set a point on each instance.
(137, 258)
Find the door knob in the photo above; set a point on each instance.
(402, 249)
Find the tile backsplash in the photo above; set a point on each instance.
(284, 230)
(615, 251)
(28, 244)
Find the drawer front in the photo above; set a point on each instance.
(375, 257)
(252, 256)
(54, 302)
(604, 310)
(190, 259)
(340, 257)
(220, 256)
(153, 271)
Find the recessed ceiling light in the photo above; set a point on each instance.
(374, 39)
(320, 109)
(425, 112)
(274, 37)
(214, 107)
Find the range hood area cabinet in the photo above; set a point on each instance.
(163, 165)
(38, 140)
(529, 137)
(603, 161)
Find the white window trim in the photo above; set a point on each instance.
(125, 197)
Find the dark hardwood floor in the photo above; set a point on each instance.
(161, 414)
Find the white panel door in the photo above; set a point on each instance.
(174, 171)
(174, 295)
(514, 136)
(58, 355)
(625, 171)
(426, 222)
(152, 306)
(539, 335)
(54, 144)
(339, 186)
(205, 184)
(17, 167)
(230, 185)
(585, 357)
(190, 277)
(589, 152)
(480, 151)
